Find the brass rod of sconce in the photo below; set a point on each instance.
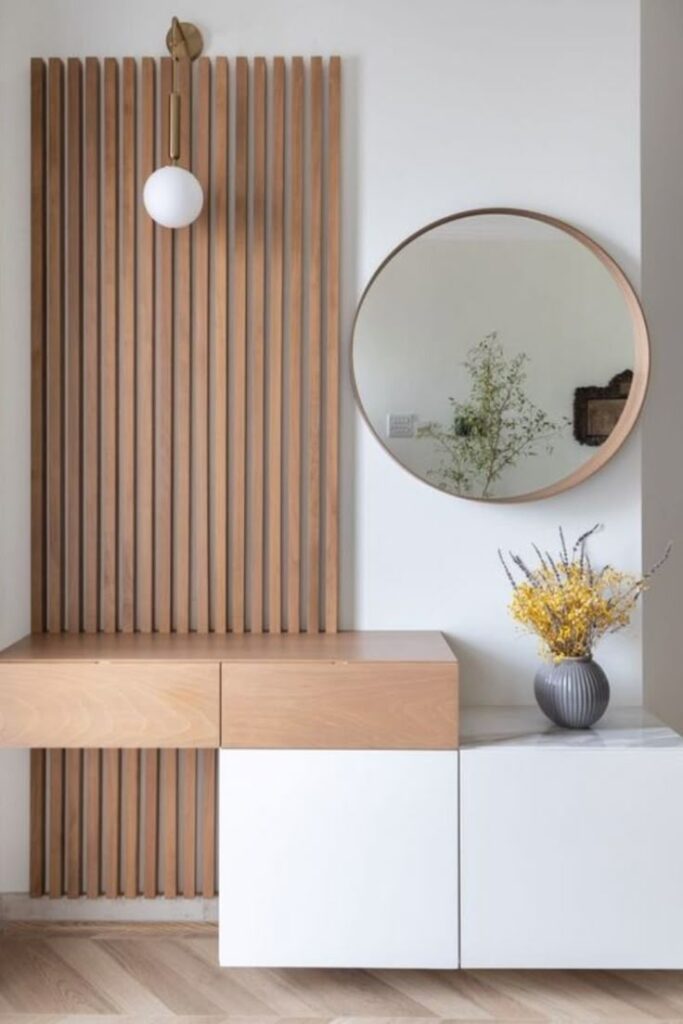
(183, 40)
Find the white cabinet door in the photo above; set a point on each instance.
(338, 858)
(571, 858)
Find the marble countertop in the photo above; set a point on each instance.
(620, 728)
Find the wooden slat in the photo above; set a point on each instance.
(182, 291)
(314, 346)
(92, 781)
(200, 354)
(38, 328)
(91, 345)
(169, 798)
(219, 368)
(56, 815)
(209, 810)
(188, 822)
(275, 307)
(151, 819)
(108, 362)
(111, 821)
(55, 347)
(295, 314)
(73, 822)
(126, 469)
(130, 816)
(332, 271)
(145, 359)
(37, 823)
(163, 378)
(74, 322)
(239, 350)
(256, 374)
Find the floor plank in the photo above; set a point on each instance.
(101, 973)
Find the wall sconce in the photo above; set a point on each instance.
(173, 196)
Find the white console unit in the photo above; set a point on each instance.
(571, 842)
(338, 858)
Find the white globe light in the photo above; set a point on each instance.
(173, 197)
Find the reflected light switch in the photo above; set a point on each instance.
(401, 424)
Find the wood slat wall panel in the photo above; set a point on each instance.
(275, 309)
(219, 374)
(55, 345)
(256, 289)
(191, 462)
(200, 354)
(315, 211)
(91, 348)
(74, 317)
(182, 304)
(38, 337)
(126, 467)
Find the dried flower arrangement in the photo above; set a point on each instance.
(567, 602)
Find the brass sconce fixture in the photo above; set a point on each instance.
(173, 196)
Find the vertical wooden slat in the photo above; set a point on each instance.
(239, 349)
(109, 388)
(200, 354)
(163, 379)
(73, 822)
(219, 451)
(332, 270)
(169, 797)
(55, 347)
(295, 314)
(182, 288)
(208, 823)
(56, 837)
(130, 803)
(92, 783)
(126, 471)
(37, 823)
(111, 821)
(151, 819)
(91, 346)
(314, 346)
(188, 822)
(275, 304)
(257, 293)
(74, 326)
(145, 359)
(38, 331)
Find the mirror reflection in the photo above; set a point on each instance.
(493, 354)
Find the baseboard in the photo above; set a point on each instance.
(20, 906)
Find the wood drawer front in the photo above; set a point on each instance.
(340, 705)
(109, 704)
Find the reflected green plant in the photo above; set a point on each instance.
(495, 428)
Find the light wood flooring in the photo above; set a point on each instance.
(119, 974)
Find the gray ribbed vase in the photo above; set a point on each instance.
(573, 693)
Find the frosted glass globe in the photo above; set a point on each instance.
(173, 197)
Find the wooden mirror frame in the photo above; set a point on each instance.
(641, 355)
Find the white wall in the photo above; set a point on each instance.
(662, 205)
(448, 104)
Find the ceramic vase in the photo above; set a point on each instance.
(573, 692)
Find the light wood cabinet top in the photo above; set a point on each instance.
(350, 646)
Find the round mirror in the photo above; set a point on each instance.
(500, 355)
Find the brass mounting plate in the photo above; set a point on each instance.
(184, 40)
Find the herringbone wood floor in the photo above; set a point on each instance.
(118, 974)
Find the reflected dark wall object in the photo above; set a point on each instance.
(597, 409)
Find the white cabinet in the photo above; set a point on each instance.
(338, 858)
(571, 844)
